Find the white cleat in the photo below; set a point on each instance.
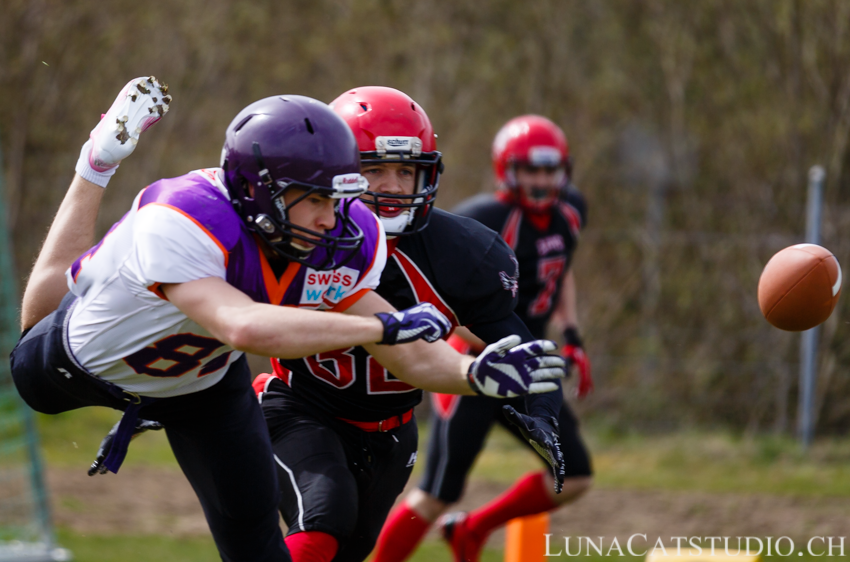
(141, 103)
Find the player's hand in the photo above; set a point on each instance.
(98, 466)
(544, 435)
(422, 321)
(573, 351)
(507, 368)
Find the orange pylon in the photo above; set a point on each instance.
(525, 540)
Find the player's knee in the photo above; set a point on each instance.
(574, 488)
(428, 506)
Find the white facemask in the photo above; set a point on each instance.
(396, 225)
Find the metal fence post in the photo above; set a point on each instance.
(809, 338)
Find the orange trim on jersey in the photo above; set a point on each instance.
(202, 227)
(510, 232)
(275, 288)
(156, 289)
(82, 261)
(423, 291)
(348, 301)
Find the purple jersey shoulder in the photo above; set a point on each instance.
(195, 197)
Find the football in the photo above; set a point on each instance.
(799, 287)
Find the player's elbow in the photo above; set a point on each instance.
(238, 333)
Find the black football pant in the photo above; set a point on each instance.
(459, 426)
(218, 436)
(336, 478)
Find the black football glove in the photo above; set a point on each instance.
(98, 467)
(544, 435)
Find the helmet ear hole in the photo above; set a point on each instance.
(246, 188)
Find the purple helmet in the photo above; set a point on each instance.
(294, 142)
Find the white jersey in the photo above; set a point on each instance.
(123, 329)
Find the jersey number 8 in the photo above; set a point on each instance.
(176, 355)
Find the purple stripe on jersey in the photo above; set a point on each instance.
(244, 270)
(78, 263)
(194, 195)
(199, 199)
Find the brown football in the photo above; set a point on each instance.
(799, 287)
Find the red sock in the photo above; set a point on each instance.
(529, 495)
(312, 546)
(401, 534)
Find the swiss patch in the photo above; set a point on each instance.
(325, 289)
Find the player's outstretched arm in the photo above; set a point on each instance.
(505, 368)
(288, 332)
(274, 331)
(435, 367)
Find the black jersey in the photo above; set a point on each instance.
(464, 269)
(544, 254)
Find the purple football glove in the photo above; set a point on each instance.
(507, 368)
(422, 321)
(99, 466)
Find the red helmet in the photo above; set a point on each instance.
(389, 126)
(529, 140)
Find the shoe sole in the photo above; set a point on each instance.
(141, 103)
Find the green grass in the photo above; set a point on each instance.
(437, 551)
(140, 548)
(123, 548)
(685, 461)
(690, 461)
(721, 462)
(71, 439)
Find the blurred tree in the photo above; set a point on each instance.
(692, 126)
